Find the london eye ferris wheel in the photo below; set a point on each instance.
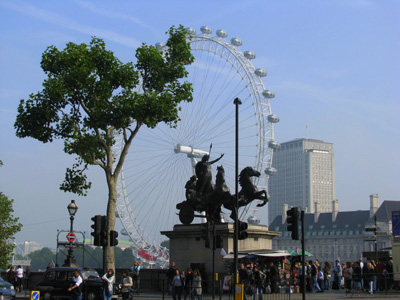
(161, 160)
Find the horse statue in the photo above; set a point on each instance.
(219, 196)
(249, 191)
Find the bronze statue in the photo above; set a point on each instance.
(204, 175)
(203, 196)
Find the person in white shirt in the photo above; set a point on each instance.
(20, 275)
(76, 289)
(109, 279)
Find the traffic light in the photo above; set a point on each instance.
(293, 222)
(103, 232)
(243, 230)
(113, 238)
(96, 230)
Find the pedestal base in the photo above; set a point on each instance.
(187, 248)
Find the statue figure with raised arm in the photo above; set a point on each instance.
(204, 176)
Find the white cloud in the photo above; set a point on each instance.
(59, 20)
(116, 15)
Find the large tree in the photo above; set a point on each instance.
(89, 95)
(9, 226)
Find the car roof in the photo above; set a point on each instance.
(68, 269)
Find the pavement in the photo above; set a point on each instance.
(327, 295)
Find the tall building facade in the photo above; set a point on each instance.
(305, 177)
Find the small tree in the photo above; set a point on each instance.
(9, 226)
(89, 94)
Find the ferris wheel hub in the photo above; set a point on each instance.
(190, 151)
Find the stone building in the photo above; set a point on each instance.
(340, 235)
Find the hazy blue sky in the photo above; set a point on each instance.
(334, 66)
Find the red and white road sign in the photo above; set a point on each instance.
(71, 237)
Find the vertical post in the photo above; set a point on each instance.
(303, 256)
(376, 241)
(213, 259)
(237, 102)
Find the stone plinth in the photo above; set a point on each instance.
(187, 249)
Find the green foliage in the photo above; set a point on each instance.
(9, 226)
(93, 257)
(40, 259)
(89, 94)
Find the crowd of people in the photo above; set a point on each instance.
(351, 276)
(18, 277)
(188, 283)
(263, 276)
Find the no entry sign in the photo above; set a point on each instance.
(71, 237)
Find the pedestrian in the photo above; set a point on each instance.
(258, 279)
(196, 285)
(11, 276)
(244, 279)
(368, 275)
(327, 275)
(20, 276)
(177, 285)
(320, 279)
(27, 275)
(357, 276)
(314, 279)
(273, 276)
(109, 280)
(348, 277)
(136, 276)
(170, 276)
(187, 290)
(337, 279)
(76, 288)
(126, 284)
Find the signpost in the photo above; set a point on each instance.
(35, 295)
(71, 237)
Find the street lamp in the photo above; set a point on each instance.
(70, 260)
(237, 102)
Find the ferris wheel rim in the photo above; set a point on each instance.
(264, 155)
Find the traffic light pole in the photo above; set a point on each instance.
(237, 102)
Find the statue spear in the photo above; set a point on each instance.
(209, 152)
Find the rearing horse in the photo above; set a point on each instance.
(249, 191)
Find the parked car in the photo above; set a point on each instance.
(6, 290)
(56, 281)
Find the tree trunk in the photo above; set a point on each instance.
(111, 207)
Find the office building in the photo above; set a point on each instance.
(305, 177)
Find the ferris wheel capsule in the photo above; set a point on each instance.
(273, 118)
(160, 46)
(190, 30)
(268, 94)
(205, 30)
(260, 72)
(249, 54)
(274, 145)
(221, 33)
(236, 42)
(270, 171)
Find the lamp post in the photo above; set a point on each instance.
(237, 102)
(70, 260)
